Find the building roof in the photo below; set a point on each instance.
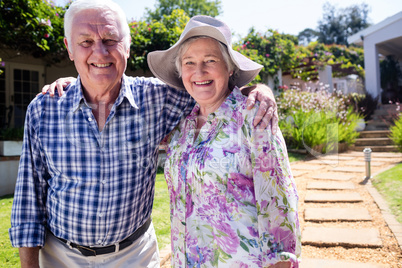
(357, 37)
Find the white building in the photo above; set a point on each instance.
(382, 39)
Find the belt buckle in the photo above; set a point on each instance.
(85, 251)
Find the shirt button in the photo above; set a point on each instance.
(100, 214)
(89, 119)
(99, 241)
(103, 181)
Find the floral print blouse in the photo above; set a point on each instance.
(232, 195)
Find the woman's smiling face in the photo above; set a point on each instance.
(204, 72)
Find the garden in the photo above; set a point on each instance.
(313, 120)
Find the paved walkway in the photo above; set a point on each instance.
(345, 222)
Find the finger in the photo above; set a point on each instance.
(60, 88)
(251, 99)
(262, 110)
(274, 121)
(52, 88)
(264, 123)
(270, 113)
(266, 118)
(45, 89)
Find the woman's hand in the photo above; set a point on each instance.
(267, 111)
(60, 84)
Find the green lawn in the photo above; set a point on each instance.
(8, 255)
(296, 157)
(389, 184)
(161, 211)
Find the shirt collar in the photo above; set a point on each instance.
(125, 92)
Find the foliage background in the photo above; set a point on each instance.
(35, 27)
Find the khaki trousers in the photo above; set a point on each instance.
(142, 253)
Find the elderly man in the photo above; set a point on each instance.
(86, 178)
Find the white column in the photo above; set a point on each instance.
(325, 76)
(372, 69)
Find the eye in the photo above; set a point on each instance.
(211, 61)
(86, 43)
(188, 63)
(110, 42)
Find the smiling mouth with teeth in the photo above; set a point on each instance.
(203, 83)
(102, 65)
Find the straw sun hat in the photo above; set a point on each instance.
(162, 62)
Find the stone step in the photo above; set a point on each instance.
(389, 119)
(348, 169)
(367, 142)
(337, 157)
(333, 176)
(336, 214)
(385, 148)
(387, 155)
(344, 197)
(375, 134)
(330, 185)
(377, 126)
(391, 110)
(363, 164)
(325, 263)
(306, 167)
(298, 173)
(322, 161)
(345, 237)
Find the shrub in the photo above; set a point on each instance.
(364, 104)
(316, 120)
(14, 134)
(396, 133)
(320, 131)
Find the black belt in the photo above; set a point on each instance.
(89, 251)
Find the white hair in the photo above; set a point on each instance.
(81, 5)
(230, 65)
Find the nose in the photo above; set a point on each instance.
(100, 48)
(200, 69)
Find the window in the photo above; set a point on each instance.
(26, 87)
(19, 84)
(3, 104)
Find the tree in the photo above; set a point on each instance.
(307, 35)
(191, 7)
(34, 27)
(156, 35)
(337, 24)
(272, 50)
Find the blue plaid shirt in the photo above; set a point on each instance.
(89, 187)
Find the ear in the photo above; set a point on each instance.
(70, 54)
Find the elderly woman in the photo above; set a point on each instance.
(232, 194)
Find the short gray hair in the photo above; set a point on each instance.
(224, 50)
(81, 5)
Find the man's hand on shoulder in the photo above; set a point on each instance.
(268, 109)
(60, 84)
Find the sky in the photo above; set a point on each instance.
(285, 16)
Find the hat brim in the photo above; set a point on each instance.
(162, 62)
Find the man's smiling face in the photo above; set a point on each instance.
(98, 49)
